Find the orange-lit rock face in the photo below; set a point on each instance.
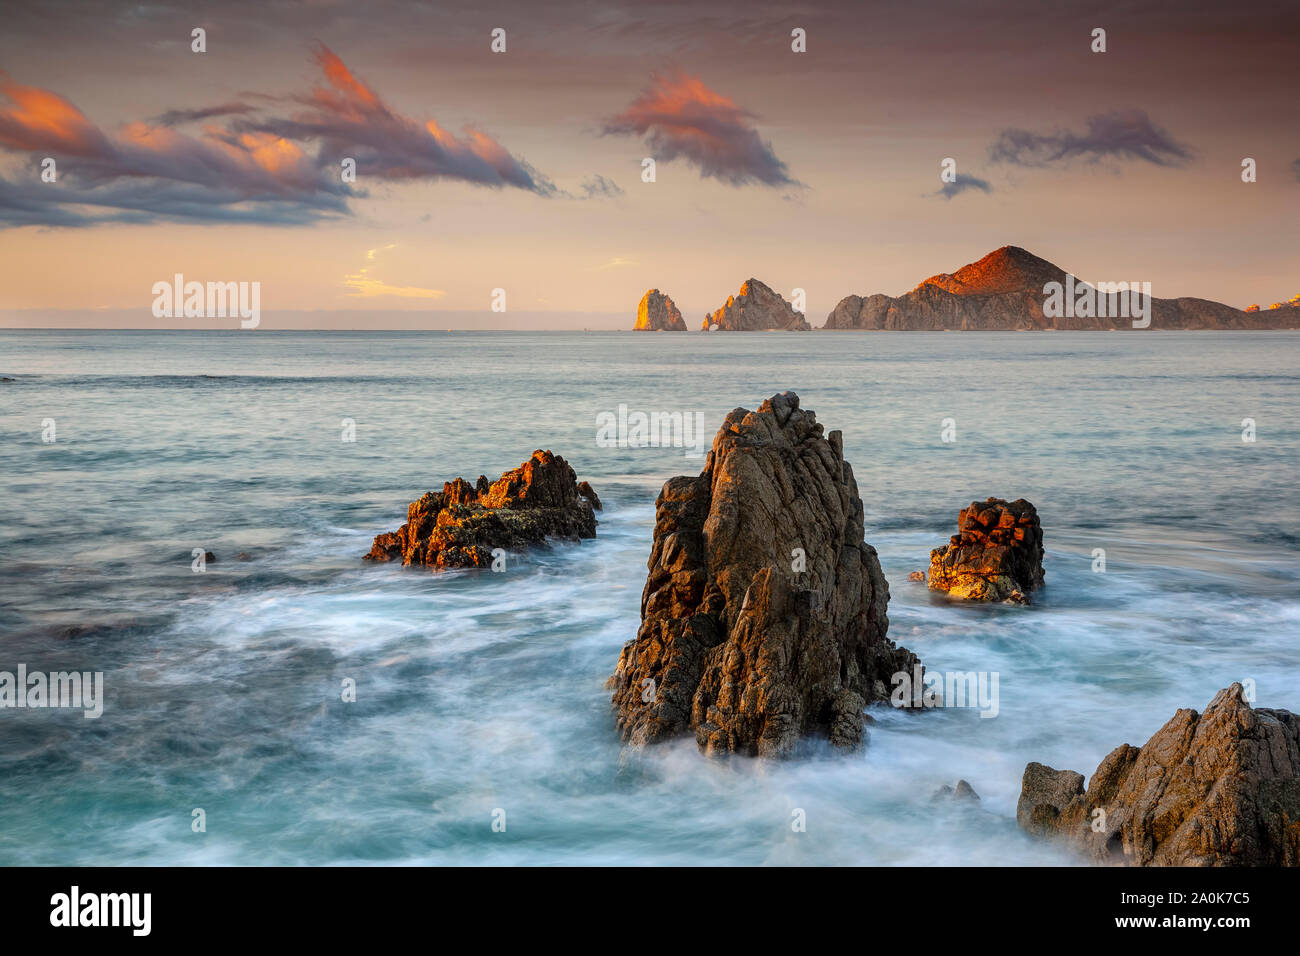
(996, 555)
(1005, 291)
(657, 313)
(460, 526)
(756, 308)
(1009, 269)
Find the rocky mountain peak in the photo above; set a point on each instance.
(1008, 269)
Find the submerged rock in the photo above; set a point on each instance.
(763, 617)
(756, 308)
(963, 791)
(1220, 788)
(657, 313)
(460, 526)
(996, 554)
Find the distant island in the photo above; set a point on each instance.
(1010, 289)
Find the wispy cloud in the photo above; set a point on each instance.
(617, 262)
(597, 186)
(680, 117)
(349, 119)
(177, 117)
(1120, 135)
(362, 284)
(963, 184)
(145, 172)
(257, 168)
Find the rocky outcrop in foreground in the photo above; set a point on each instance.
(1221, 788)
(656, 313)
(1004, 291)
(996, 554)
(460, 526)
(756, 308)
(763, 615)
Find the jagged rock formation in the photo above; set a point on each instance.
(996, 554)
(1004, 291)
(1221, 788)
(756, 308)
(763, 615)
(656, 313)
(460, 526)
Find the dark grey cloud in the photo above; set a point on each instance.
(963, 184)
(177, 117)
(68, 205)
(1295, 168)
(1119, 135)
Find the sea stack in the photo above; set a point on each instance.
(1220, 788)
(463, 524)
(996, 554)
(763, 617)
(657, 313)
(756, 308)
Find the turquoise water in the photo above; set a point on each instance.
(479, 692)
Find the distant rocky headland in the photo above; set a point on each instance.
(1006, 291)
(1010, 289)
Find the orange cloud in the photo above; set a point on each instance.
(681, 117)
(349, 119)
(255, 169)
(41, 120)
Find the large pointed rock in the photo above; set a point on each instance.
(1219, 788)
(756, 308)
(763, 617)
(657, 313)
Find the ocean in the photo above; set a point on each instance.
(481, 732)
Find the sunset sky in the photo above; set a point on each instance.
(522, 170)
